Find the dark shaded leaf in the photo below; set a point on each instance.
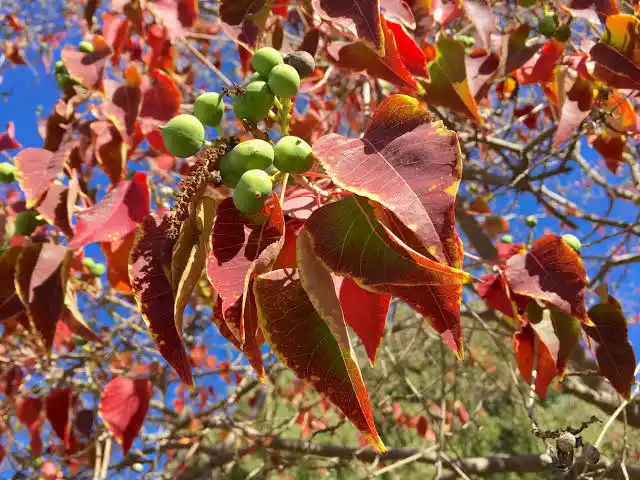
(29, 412)
(10, 304)
(480, 13)
(58, 407)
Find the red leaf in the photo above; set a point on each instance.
(234, 12)
(123, 407)
(116, 215)
(177, 15)
(398, 11)
(110, 150)
(361, 16)
(445, 11)
(595, 11)
(576, 108)
(314, 344)
(240, 251)
(87, 68)
(539, 68)
(29, 412)
(481, 66)
(58, 406)
(611, 148)
(117, 256)
(351, 242)
(125, 105)
(523, 345)
(10, 381)
(410, 52)
(280, 7)
(408, 164)
(161, 97)
(150, 260)
(388, 66)
(13, 54)
(7, 140)
(422, 426)
(366, 313)
(116, 32)
(310, 42)
(36, 170)
(552, 271)
(516, 50)
(493, 290)
(42, 271)
(559, 331)
(609, 339)
(462, 412)
(162, 51)
(480, 13)
(58, 204)
(10, 304)
(14, 23)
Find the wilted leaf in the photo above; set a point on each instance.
(358, 56)
(7, 139)
(347, 237)
(609, 339)
(42, 271)
(240, 251)
(149, 266)
(36, 169)
(553, 272)
(87, 68)
(116, 215)
(123, 407)
(361, 16)
(29, 412)
(408, 164)
(10, 304)
(448, 84)
(525, 343)
(190, 254)
(305, 340)
(366, 313)
(58, 406)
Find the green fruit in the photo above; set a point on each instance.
(572, 241)
(506, 239)
(183, 135)
(292, 155)
(563, 34)
(88, 262)
(26, 223)
(531, 221)
(548, 24)
(85, 46)
(252, 190)
(302, 61)
(264, 59)
(254, 103)
(284, 81)
(209, 109)
(7, 173)
(250, 155)
(95, 269)
(255, 77)
(64, 81)
(60, 67)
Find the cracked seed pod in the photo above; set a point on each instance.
(566, 442)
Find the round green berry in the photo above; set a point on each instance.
(26, 223)
(7, 173)
(284, 81)
(292, 155)
(85, 46)
(254, 103)
(252, 190)
(60, 67)
(531, 221)
(264, 59)
(506, 239)
(209, 109)
(183, 135)
(572, 241)
(548, 24)
(302, 61)
(250, 155)
(256, 77)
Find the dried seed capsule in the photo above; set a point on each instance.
(302, 61)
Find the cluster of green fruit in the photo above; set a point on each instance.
(276, 81)
(63, 79)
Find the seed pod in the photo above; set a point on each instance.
(254, 104)
(566, 442)
(252, 190)
(209, 109)
(507, 239)
(302, 61)
(292, 155)
(531, 221)
(284, 81)
(591, 454)
(264, 59)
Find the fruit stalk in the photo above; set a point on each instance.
(284, 129)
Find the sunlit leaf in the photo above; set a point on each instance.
(611, 148)
(360, 16)
(609, 339)
(347, 237)
(398, 11)
(577, 106)
(553, 272)
(517, 50)
(481, 67)
(161, 97)
(480, 13)
(87, 68)
(493, 290)
(36, 169)
(539, 68)
(116, 215)
(410, 52)
(595, 11)
(149, 268)
(240, 250)
(366, 313)
(302, 339)
(41, 275)
(448, 85)
(525, 344)
(58, 204)
(407, 163)
(179, 16)
(116, 32)
(117, 257)
(123, 408)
